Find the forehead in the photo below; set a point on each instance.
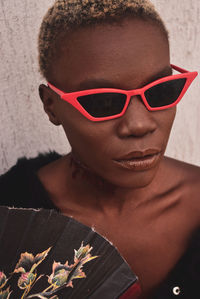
(123, 54)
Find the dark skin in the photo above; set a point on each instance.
(151, 215)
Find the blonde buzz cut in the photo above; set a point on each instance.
(67, 15)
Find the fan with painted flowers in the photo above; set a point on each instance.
(44, 254)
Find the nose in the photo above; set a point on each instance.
(137, 120)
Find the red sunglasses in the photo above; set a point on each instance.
(109, 103)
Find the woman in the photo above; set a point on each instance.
(116, 178)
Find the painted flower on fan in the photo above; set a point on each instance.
(82, 255)
(26, 280)
(82, 252)
(28, 262)
(26, 265)
(3, 279)
(5, 294)
(64, 274)
(60, 274)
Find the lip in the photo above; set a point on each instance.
(139, 160)
(139, 154)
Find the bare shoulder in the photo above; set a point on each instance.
(187, 177)
(185, 171)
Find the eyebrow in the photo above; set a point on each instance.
(167, 71)
(104, 83)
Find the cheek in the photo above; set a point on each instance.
(90, 146)
(169, 117)
(166, 122)
(86, 138)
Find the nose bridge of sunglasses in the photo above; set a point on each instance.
(135, 93)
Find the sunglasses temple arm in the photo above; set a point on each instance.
(179, 69)
(58, 91)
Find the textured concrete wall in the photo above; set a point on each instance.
(25, 129)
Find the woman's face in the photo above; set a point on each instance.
(126, 56)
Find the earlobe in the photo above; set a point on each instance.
(48, 101)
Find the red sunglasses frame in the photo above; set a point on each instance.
(71, 97)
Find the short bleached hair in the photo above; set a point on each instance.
(67, 15)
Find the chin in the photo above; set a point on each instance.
(133, 180)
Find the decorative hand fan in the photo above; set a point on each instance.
(44, 254)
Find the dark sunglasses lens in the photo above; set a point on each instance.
(103, 104)
(165, 93)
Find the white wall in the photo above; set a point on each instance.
(183, 21)
(25, 129)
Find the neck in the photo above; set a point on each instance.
(102, 195)
(80, 172)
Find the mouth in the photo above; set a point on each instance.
(139, 161)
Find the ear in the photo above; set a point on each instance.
(49, 100)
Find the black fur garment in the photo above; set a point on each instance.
(20, 186)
